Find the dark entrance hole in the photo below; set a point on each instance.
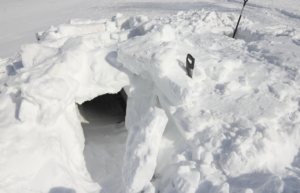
(107, 108)
(105, 139)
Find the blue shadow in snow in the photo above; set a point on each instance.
(61, 190)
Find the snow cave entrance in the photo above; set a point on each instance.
(105, 109)
(103, 123)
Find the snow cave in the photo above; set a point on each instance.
(228, 125)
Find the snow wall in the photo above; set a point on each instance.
(234, 127)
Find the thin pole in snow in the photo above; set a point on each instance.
(245, 1)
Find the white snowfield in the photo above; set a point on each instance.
(234, 127)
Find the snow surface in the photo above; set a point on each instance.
(20, 19)
(104, 152)
(234, 127)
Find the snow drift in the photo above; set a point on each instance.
(234, 127)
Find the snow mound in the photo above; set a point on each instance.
(234, 127)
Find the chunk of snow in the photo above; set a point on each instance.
(142, 149)
(33, 54)
(186, 180)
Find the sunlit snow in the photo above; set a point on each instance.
(233, 127)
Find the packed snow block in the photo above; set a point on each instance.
(54, 88)
(151, 52)
(86, 21)
(140, 99)
(70, 62)
(137, 20)
(49, 94)
(78, 44)
(142, 149)
(155, 60)
(45, 90)
(149, 188)
(135, 109)
(121, 21)
(211, 16)
(28, 111)
(50, 113)
(33, 54)
(248, 190)
(16, 66)
(139, 87)
(177, 88)
(114, 36)
(146, 27)
(199, 73)
(53, 42)
(166, 33)
(101, 62)
(124, 35)
(75, 30)
(111, 26)
(100, 38)
(186, 180)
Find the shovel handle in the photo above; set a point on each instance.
(188, 63)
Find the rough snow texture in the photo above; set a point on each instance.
(234, 127)
(39, 91)
(142, 149)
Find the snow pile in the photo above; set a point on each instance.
(39, 92)
(234, 127)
